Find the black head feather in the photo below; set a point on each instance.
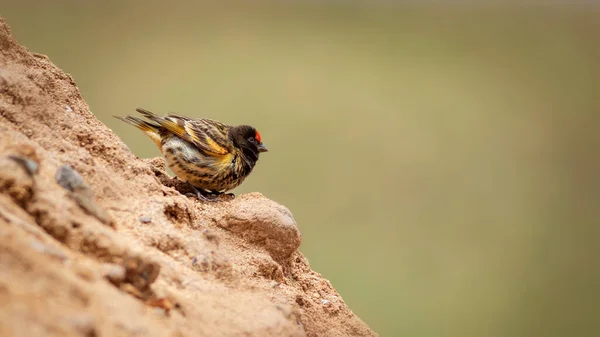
(247, 139)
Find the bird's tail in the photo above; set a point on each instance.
(172, 123)
(152, 130)
(148, 114)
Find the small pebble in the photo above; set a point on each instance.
(145, 219)
(325, 301)
(49, 250)
(114, 272)
(81, 193)
(68, 178)
(29, 165)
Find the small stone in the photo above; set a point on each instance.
(29, 165)
(325, 302)
(161, 303)
(114, 272)
(68, 178)
(81, 193)
(145, 219)
(48, 250)
(140, 272)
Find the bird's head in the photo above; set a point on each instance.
(248, 140)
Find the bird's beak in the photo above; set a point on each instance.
(262, 148)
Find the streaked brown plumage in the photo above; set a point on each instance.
(211, 156)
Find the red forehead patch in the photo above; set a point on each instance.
(257, 136)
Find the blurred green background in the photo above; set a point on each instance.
(442, 162)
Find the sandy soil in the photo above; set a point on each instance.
(97, 242)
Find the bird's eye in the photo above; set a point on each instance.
(252, 140)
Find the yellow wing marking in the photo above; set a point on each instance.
(205, 142)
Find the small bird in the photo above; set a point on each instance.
(211, 156)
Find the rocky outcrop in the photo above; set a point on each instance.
(96, 242)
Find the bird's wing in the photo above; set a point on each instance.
(209, 136)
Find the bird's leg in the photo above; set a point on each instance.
(203, 195)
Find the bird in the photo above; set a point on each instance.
(210, 156)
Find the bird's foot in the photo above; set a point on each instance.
(207, 197)
(201, 194)
(210, 196)
(222, 196)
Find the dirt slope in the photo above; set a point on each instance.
(96, 242)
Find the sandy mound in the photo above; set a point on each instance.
(96, 242)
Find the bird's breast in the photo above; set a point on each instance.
(192, 165)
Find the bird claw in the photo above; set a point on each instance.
(201, 195)
(210, 196)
